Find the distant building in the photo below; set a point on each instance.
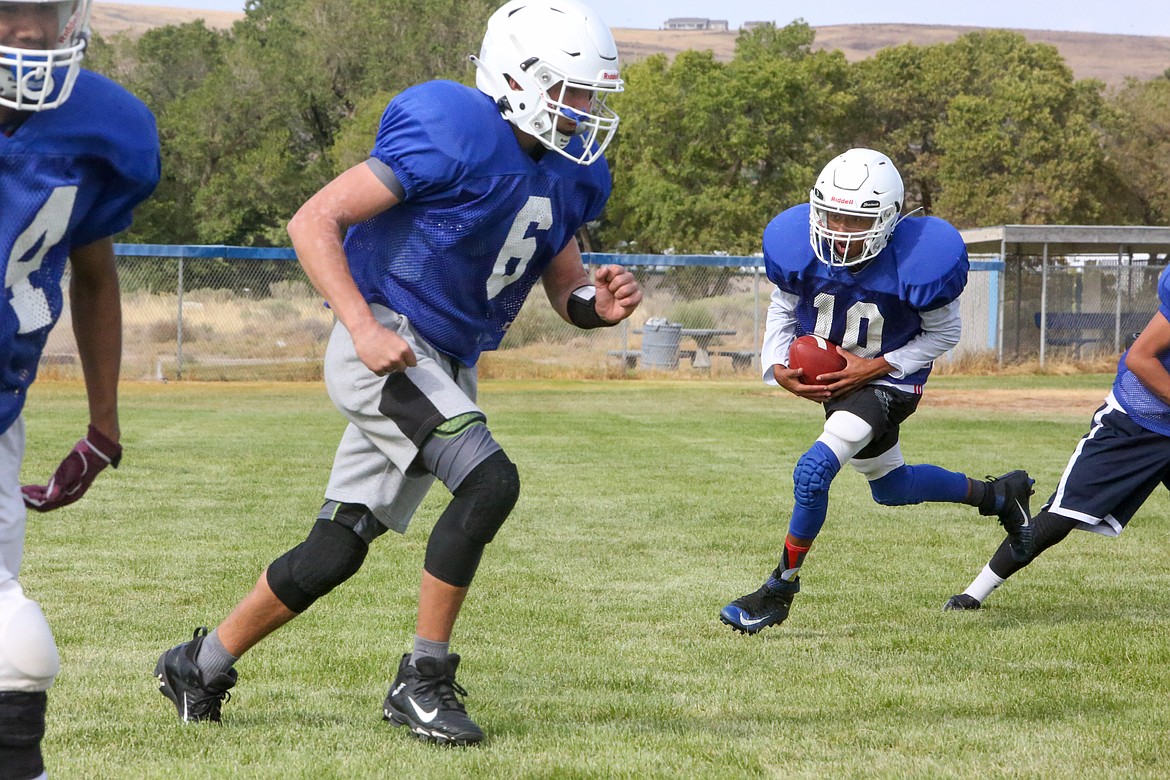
(696, 23)
(753, 25)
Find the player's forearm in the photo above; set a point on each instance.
(97, 326)
(317, 242)
(1151, 373)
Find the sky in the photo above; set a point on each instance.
(1126, 17)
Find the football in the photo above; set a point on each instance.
(816, 356)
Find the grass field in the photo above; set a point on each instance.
(591, 642)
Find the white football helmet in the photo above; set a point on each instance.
(860, 183)
(547, 47)
(41, 46)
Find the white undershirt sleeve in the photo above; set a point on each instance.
(941, 329)
(779, 333)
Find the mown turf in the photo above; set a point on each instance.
(591, 641)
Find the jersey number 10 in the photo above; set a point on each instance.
(860, 312)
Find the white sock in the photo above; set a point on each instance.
(984, 584)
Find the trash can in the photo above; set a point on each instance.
(660, 340)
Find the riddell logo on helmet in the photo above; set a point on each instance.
(610, 75)
(843, 201)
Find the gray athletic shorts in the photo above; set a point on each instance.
(12, 511)
(389, 419)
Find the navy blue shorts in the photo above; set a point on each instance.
(1113, 470)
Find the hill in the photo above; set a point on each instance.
(1110, 58)
(112, 18)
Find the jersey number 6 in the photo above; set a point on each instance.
(519, 247)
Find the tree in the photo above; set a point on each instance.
(988, 129)
(248, 132)
(708, 152)
(1138, 150)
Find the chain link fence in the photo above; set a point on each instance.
(1078, 307)
(233, 313)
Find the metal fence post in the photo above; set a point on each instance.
(179, 328)
(1117, 309)
(1043, 303)
(756, 318)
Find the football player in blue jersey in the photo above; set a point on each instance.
(69, 179)
(1115, 466)
(848, 267)
(426, 252)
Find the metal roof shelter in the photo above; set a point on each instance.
(1062, 240)
(1067, 239)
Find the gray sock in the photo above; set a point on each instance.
(428, 649)
(213, 658)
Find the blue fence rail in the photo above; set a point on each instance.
(227, 312)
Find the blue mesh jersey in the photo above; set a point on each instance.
(68, 177)
(1143, 407)
(479, 223)
(876, 309)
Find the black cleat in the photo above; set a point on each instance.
(768, 606)
(961, 601)
(1007, 498)
(422, 698)
(181, 681)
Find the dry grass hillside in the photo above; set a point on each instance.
(1110, 58)
(111, 18)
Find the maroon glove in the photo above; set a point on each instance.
(75, 474)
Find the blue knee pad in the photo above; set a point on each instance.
(915, 484)
(811, 479)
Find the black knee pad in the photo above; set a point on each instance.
(479, 507)
(22, 725)
(332, 553)
(489, 492)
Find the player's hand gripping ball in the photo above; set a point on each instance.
(816, 356)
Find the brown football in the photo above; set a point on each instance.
(816, 356)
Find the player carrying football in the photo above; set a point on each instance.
(77, 154)
(470, 196)
(885, 288)
(1115, 466)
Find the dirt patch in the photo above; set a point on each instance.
(1046, 402)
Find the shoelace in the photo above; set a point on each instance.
(758, 599)
(208, 706)
(444, 688)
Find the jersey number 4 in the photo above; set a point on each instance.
(519, 247)
(44, 232)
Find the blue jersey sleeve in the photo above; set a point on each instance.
(130, 148)
(931, 261)
(427, 136)
(787, 251)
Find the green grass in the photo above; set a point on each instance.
(591, 642)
